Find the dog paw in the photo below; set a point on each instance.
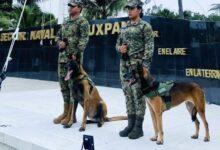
(206, 139)
(99, 124)
(153, 138)
(159, 142)
(67, 126)
(194, 137)
(81, 129)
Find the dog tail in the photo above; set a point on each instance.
(194, 113)
(116, 118)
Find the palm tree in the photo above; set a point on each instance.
(101, 9)
(6, 5)
(29, 2)
(33, 17)
(216, 8)
(180, 3)
(5, 22)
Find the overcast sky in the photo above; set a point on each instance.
(201, 6)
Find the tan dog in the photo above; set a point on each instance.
(88, 96)
(190, 93)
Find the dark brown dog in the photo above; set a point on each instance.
(190, 93)
(88, 96)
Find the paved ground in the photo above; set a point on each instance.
(27, 108)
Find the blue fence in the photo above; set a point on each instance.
(184, 51)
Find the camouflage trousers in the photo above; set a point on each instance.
(66, 90)
(135, 102)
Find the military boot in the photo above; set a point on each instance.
(137, 131)
(128, 129)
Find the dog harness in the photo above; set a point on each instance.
(161, 89)
(78, 87)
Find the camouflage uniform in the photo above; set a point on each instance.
(77, 33)
(139, 37)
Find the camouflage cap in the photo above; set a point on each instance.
(75, 3)
(134, 3)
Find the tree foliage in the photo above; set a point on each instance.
(101, 9)
(32, 17)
